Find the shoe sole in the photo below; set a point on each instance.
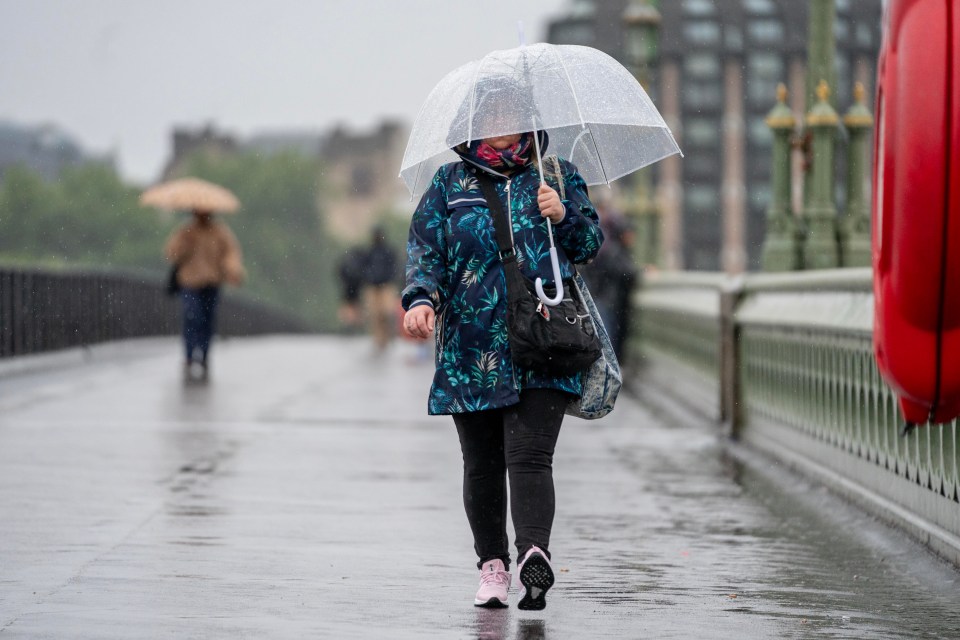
(492, 603)
(536, 576)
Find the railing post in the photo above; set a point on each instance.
(781, 248)
(730, 392)
(855, 230)
(6, 313)
(820, 250)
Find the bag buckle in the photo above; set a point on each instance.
(543, 310)
(509, 253)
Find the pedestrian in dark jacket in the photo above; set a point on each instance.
(613, 278)
(351, 272)
(508, 418)
(381, 272)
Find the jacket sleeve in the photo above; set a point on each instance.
(427, 247)
(579, 232)
(176, 248)
(232, 265)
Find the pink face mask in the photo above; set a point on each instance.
(513, 156)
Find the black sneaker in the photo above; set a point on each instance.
(536, 576)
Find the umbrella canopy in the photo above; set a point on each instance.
(596, 113)
(190, 194)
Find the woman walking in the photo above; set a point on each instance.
(207, 255)
(507, 418)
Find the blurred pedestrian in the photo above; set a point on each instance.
(207, 255)
(613, 278)
(507, 418)
(381, 271)
(351, 272)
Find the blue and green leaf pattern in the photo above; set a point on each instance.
(452, 259)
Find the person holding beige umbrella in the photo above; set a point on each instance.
(205, 255)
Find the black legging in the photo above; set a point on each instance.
(518, 440)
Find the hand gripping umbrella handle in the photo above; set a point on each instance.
(554, 262)
(557, 279)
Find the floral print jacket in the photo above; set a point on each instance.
(453, 265)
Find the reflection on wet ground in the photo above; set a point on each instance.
(319, 501)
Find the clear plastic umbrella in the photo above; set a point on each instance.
(596, 113)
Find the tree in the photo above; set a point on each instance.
(87, 217)
(288, 255)
(90, 218)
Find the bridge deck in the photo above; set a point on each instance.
(305, 493)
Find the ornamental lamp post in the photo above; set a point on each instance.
(781, 248)
(855, 248)
(641, 26)
(821, 251)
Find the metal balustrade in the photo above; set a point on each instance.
(679, 326)
(43, 310)
(798, 379)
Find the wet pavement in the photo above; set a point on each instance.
(304, 493)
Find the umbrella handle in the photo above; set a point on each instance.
(557, 279)
(554, 262)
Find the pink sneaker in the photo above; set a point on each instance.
(536, 576)
(494, 585)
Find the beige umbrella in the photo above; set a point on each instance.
(190, 194)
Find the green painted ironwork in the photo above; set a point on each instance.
(826, 385)
(821, 47)
(806, 361)
(781, 248)
(855, 250)
(679, 330)
(806, 385)
(820, 249)
(641, 32)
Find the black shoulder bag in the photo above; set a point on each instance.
(556, 340)
(173, 284)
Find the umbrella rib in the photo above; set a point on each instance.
(539, 57)
(416, 182)
(603, 170)
(573, 90)
(473, 98)
(516, 66)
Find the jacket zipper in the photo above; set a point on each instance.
(510, 215)
(516, 384)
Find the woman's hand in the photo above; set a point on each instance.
(419, 321)
(550, 205)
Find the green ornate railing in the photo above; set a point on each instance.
(793, 374)
(680, 334)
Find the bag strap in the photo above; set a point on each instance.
(501, 222)
(508, 256)
(500, 219)
(552, 164)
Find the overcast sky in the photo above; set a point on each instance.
(119, 74)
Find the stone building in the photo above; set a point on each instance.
(45, 149)
(361, 172)
(714, 81)
(207, 140)
(359, 169)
